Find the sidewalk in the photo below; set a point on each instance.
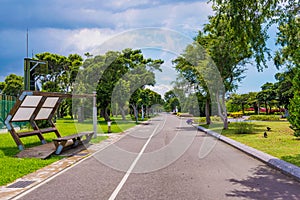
(29, 181)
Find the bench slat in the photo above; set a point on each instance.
(69, 137)
(61, 143)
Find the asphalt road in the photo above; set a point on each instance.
(168, 159)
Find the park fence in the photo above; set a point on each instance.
(6, 103)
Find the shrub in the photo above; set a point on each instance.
(184, 115)
(212, 118)
(294, 114)
(236, 114)
(1, 154)
(265, 117)
(243, 128)
(215, 119)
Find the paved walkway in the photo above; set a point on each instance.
(41, 175)
(166, 159)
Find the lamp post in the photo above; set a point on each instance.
(94, 114)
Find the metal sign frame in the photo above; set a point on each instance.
(28, 70)
(33, 106)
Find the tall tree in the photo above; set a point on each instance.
(289, 55)
(252, 101)
(294, 107)
(129, 83)
(169, 97)
(12, 85)
(267, 95)
(106, 70)
(61, 76)
(193, 65)
(226, 52)
(288, 37)
(62, 71)
(250, 21)
(240, 100)
(284, 87)
(2, 85)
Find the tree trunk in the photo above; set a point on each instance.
(226, 123)
(123, 114)
(207, 113)
(142, 112)
(222, 110)
(105, 114)
(255, 108)
(135, 113)
(243, 109)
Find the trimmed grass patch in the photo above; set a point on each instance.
(12, 168)
(280, 142)
(243, 127)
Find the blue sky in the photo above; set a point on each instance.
(79, 26)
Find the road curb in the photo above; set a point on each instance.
(285, 167)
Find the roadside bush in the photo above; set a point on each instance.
(294, 114)
(236, 114)
(202, 120)
(265, 117)
(1, 154)
(215, 119)
(243, 128)
(184, 115)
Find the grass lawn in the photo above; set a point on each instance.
(12, 168)
(280, 142)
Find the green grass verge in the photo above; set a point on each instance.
(12, 168)
(280, 142)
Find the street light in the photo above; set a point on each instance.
(95, 114)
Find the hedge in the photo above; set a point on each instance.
(265, 117)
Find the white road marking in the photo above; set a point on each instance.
(22, 194)
(124, 179)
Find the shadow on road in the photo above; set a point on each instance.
(265, 184)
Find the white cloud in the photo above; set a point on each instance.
(95, 27)
(128, 3)
(66, 41)
(160, 88)
(82, 25)
(183, 15)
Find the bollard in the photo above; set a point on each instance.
(108, 126)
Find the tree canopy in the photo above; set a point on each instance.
(12, 85)
(115, 71)
(62, 72)
(250, 21)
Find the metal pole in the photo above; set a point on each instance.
(27, 44)
(95, 114)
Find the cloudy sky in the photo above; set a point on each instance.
(79, 26)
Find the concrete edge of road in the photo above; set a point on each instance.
(285, 167)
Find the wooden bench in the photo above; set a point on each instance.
(76, 139)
